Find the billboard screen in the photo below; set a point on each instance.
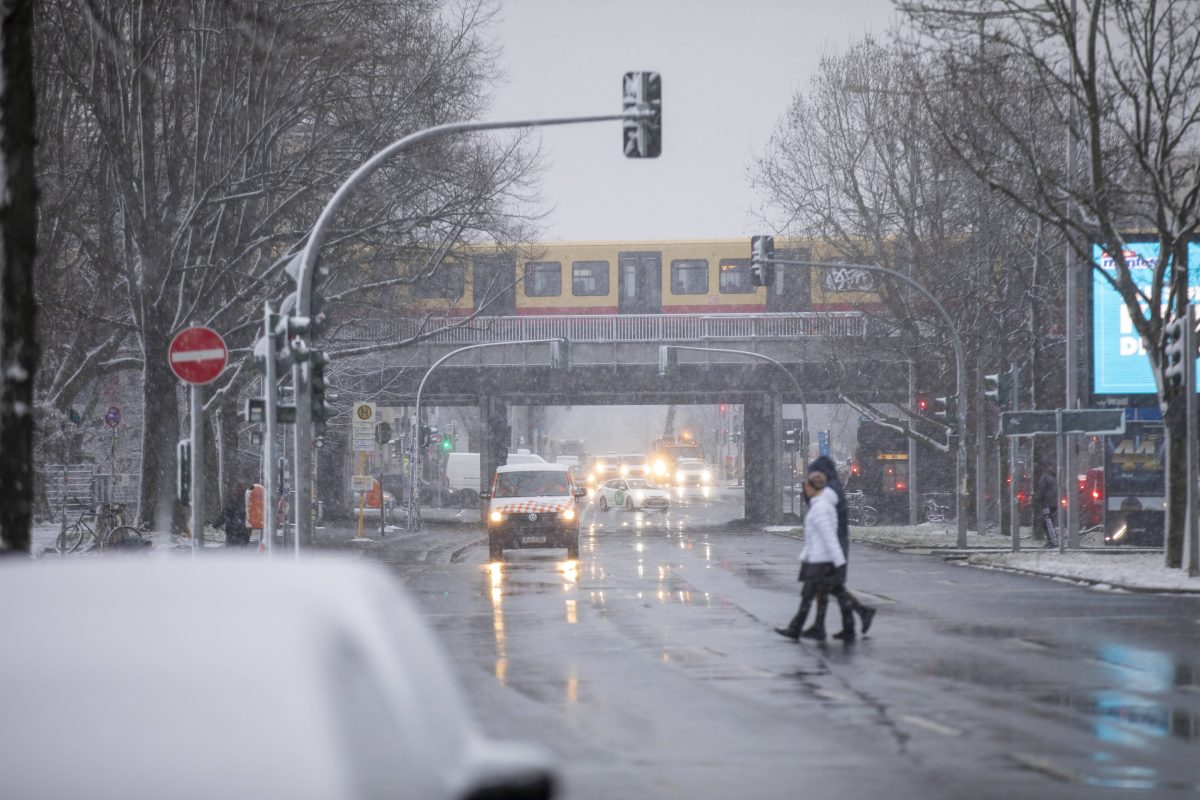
(1120, 365)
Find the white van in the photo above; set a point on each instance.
(462, 477)
(533, 505)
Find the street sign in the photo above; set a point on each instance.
(1093, 420)
(361, 483)
(362, 426)
(1082, 420)
(112, 417)
(197, 355)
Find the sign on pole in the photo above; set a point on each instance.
(362, 426)
(197, 355)
(1028, 423)
(112, 417)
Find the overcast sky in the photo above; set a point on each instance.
(729, 69)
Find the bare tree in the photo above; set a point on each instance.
(221, 129)
(1120, 79)
(18, 307)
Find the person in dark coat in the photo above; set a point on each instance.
(1046, 503)
(233, 519)
(850, 604)
(821, 556)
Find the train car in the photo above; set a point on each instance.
(710, 276)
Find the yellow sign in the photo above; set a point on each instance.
(893, 456)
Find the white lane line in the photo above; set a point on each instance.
(930, 725)
(1043, 765)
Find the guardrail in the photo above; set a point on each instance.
(612, 327)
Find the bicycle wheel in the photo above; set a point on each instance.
(69, 540)
(123, 536)
(870, 516)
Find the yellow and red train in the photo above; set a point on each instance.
(707, 276)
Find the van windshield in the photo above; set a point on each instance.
(532, 483)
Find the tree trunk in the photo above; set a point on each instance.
(156, 503)
(18, 309)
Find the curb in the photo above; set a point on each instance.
(457, 554)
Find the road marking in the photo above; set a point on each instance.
(1043, 765)
(1032, 645)
(930, 725)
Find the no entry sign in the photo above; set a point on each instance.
(197, 355)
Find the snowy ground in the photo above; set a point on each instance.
(1143, 571)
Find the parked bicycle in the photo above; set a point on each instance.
(858, 512)
(107, 530)
(935, 509)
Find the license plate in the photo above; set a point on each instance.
(533, 540)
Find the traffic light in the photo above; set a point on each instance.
(947, 410)
(641, 93)
(922, 406)
(321, 410)
(998, 387)
(383, 432)
(762, 250)
(791, 438)
(724, 407)
(447, 443)
(1179, 349)
(668, 361)
(560, 354)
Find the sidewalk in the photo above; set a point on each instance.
(1102, 568)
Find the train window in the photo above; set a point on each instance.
(735, 276)
(589, 278)
(543, 279)
(689, 276)
(447, 283)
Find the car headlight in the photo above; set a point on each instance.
(679, 476)
(624, 470)
(706, 476)
(496, 516)
(639, 496)
(568, 514)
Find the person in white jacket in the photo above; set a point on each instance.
(821, 555)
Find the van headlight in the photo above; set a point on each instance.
(496, 516)
(706, 476)
(568, 514)
(624, 470)
(679, 476)
(660, 467)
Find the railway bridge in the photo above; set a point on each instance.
(615, 361)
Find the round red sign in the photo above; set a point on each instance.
(197, 355)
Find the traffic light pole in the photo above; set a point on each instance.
(1014, 509)
(270, 422)
(960, 458)
(307, 267)
(413, 510)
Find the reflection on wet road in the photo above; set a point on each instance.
(649, 667)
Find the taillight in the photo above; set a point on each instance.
(1095, 494)
(900, 487)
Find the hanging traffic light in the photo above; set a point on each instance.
(641, 93)
(922, 405)
(762, 250)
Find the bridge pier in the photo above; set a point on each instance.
(493, 441)
(763, 443)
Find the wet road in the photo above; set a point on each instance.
(649, 666)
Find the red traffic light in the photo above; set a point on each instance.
(724, 408)
(922, 404)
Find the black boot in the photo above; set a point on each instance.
(867, 614)
(792, 631)
(816, 632)
(846, 606)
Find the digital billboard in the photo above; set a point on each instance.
(1120, 365)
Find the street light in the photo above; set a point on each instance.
(303, 267)
(413, 523)
(665, 357)
(960, 461)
